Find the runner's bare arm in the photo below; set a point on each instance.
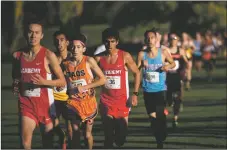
(171, 64)
(136, 73)
(101, 79)
(132, 66)
(182, 53)
(97, 58)
(193, 46)
(55, 67)
(139, 60)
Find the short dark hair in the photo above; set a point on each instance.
(32, 21)
(56, 33)
(79, 36)
(110, 32)
(28, 22)
(153, 30)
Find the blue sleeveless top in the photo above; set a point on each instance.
(154, 80)
(197, 51)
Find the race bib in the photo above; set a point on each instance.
(77, 83)
(60, 89)
(80, 82)
(113, 82)
(176, 67)
(152, 77)
(32, 92)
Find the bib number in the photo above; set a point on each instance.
(80, 82)
(152, 77)
(32, 92)
(77, 83)
(113, 82)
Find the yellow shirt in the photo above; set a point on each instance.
(60, 93)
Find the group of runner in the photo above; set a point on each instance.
(50, 85)
(70, 92)
(201, 52)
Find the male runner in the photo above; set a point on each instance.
(152, 61)
(61, 43)
(32, 82)
(80, 81)
(114, 98)
(174, 82)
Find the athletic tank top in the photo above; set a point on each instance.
(178, 61)
(78, 76)
(197, 51)
(115, 90)
(60, 93)
(208, 46)
(153, 79)
(30, 93)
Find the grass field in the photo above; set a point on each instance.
(202, 123)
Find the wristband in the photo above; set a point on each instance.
(136, 93)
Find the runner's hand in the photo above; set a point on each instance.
(134, 100)
(145, 63)
(165, 68)
(81, 89)
(38, 80)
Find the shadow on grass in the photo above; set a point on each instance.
(206, 84)
(205, 102)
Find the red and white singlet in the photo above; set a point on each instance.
(115, 92)
(35, 102)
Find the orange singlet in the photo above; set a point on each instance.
(84, 104)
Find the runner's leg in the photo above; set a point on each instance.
(76, 135)
(27, 127)
(88, 137)
(47, 135)
(108, 125)
(121, 128)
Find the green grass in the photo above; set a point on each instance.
(202, 124)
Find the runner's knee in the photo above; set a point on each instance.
(75, 127)
(56, 122)
(152, 115)
(69, 130)
(88, 134)
(49, 127)
(26, 141)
